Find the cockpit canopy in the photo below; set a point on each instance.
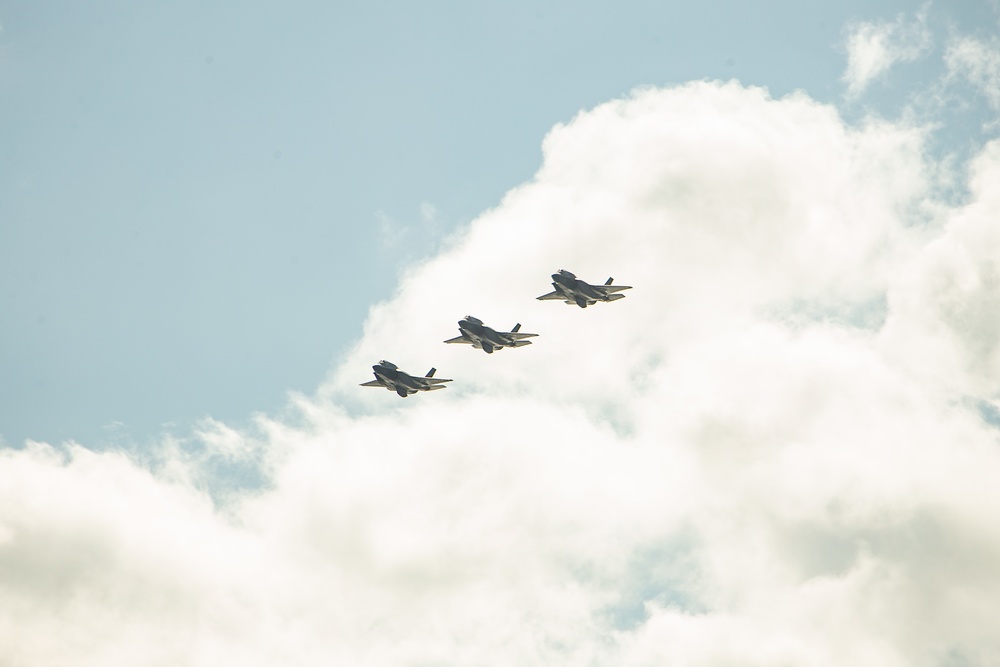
(474, 320)
(388, 364)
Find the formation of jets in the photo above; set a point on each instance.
(568, 289)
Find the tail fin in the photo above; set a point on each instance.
(517, 327)
(431, 373)
(610, 280)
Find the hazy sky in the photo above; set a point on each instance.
(198, 203)
(781, 448)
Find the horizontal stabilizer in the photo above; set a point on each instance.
(521, 343)
(435, 387)
(518, 336)
(615, 297)
(434, 381)
(617, 288)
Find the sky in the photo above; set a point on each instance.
(780, 448)
(200, 202)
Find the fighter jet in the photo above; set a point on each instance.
(388, 375)
(482, 337)
(571, 289)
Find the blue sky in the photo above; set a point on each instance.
(200, 202)
(780, 448)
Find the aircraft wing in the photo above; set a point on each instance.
(551, 296)
(459, 339)
(372, 383)
(432, 381)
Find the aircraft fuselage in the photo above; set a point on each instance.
(574, 287)
(479, 333)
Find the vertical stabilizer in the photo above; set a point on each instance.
(610, 280)
(431, 373)
(517, 327)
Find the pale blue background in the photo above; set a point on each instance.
(191, 193)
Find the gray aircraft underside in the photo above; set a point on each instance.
(388, 376)
(572, 290)
(485, 338)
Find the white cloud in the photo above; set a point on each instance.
(948, 298)
(413, 237)
(772, 451)
(978, 62)
(391, 233)
(874, 47)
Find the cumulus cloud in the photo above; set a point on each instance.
(778, 449)
(874, 47)
(978, 62)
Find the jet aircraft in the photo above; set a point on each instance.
(571, 289)
(482, 337)
(388, 375)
